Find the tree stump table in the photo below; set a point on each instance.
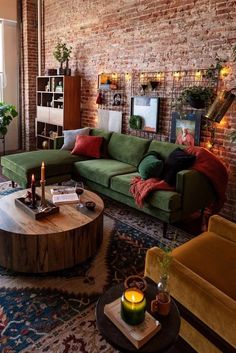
(53, 243)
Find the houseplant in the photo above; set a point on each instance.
(197, 97)
(7, 113)
(62, 54)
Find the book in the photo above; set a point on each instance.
(64, 195)
(137, 334)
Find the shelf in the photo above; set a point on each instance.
(46, 137)
(51, 92)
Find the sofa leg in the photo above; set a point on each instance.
(12, 184)
(165, 226)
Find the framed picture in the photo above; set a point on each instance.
(186, 131)
(148, 108)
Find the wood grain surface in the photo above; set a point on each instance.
(56, 242)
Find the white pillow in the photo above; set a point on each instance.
(70, 137)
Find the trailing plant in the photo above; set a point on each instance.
(7, 114)
(62, 52)
(197, 96)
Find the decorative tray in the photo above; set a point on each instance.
(37, 212)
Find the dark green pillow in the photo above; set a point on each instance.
(150, 167)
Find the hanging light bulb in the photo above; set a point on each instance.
(198, 75)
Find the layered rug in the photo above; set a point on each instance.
(56, 312)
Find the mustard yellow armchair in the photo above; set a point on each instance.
(203, 282)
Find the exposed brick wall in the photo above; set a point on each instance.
(145, 35)
(28, 71)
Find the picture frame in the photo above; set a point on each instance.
(186, 131)
(148, 108)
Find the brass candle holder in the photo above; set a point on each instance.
(43, 200)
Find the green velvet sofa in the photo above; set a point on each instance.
(111, 175)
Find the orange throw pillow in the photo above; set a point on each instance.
(89, 146)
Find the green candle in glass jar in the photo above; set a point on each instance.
(133, 306)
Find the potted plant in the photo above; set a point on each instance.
(7, 113)
(62, 54)
(197, 97)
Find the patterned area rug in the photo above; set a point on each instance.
(55, 312)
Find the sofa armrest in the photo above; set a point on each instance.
(58, 142)
(222, 227)
(196, 190)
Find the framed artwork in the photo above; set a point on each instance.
(186, 131)
(148, 108)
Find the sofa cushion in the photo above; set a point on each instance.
(150, 166)
(102, 170)
(57, 162)
(164, 200)
(209, 255)
(70, 137)
(127, 149)
(163, 148)
(89, 146)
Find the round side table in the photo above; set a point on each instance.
(161, 342)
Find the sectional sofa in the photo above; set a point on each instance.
(111, 174)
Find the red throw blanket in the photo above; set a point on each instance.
(140, 188)
(206, 163)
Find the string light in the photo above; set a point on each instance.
(225, 71)
(198, 75)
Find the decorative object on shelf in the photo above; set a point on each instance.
(59, 87)
(220, 105)
(148, 109)
(99, 99)
(133, 306)
(154, 85)
(135, 281)
(62, 54)
(7, 114)
(185, 131)
(144, 86)
(45, 145)
(136, 122)
(197, 97)
(50, 72)
(116, 99)
(67, 70)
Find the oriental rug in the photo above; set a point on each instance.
(54, 312)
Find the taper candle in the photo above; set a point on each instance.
(43, 172)
(33, 196)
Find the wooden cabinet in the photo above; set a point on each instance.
(58, 107)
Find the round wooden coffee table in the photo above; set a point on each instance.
(161, 342)
(55, 242)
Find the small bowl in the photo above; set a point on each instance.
(90, 205)
(135, 281)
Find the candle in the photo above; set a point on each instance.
(42, 172)
(133, 306)
(33, 196)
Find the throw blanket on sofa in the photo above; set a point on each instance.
(140, 188)
(206, 163)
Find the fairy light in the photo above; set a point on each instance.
(176, 75)
(209, 145)
(159, 75)
(128, 76)
(198, 75)
(225, 71)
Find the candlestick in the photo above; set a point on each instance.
(43, 200)
(33, 196)
(133, 306)
(43, 172)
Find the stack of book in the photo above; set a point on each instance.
(64, 195)
(138, 334)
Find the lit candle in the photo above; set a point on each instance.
(42, 172)
(33, 196)
(133, 306)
